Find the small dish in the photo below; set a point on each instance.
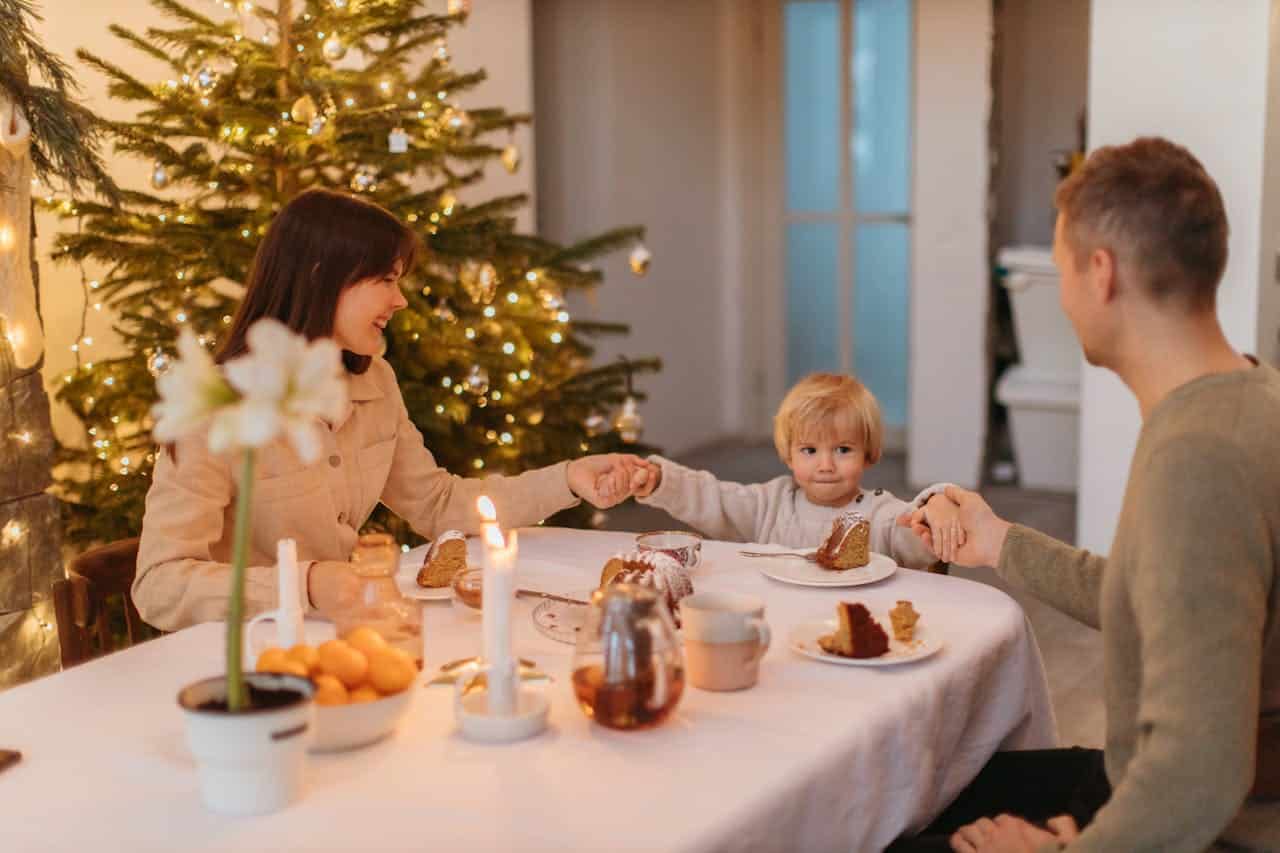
(560, 620)
(467, 592)
(683, 547)
(340, 727)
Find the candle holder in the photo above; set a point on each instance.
(480, 722)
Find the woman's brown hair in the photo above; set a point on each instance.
(320, 244)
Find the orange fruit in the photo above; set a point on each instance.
(348, 665)
(364, 693)
(366, 639)
(275, 659)
(305, 655)
(329, 690)
(391, 670)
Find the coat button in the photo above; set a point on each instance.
(858, 499)
(335, 460)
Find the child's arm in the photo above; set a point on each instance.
(901, 543)
(732, 511)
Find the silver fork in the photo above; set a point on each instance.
(811, 556)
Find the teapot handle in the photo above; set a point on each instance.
(659, 698)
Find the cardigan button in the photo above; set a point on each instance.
(335, 460)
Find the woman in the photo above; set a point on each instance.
(329, 266)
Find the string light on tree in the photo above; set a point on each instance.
(159, 176)
(511, 158)
(639, 260)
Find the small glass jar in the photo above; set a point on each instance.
(378, 602)
(467, 592)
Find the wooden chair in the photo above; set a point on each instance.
(80, 602)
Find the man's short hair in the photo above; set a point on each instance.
(1152, 204)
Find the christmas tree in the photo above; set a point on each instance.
(360, 95)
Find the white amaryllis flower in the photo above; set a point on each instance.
(281, 385)
(285, 385)
(191, 391)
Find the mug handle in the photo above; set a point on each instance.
(265, 616)
(763, 637)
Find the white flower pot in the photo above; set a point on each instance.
(251, 762)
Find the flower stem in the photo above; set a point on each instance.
(237, 698)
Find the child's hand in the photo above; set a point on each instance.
(645, 478)
(943, 518)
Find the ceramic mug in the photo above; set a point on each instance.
(725, 636)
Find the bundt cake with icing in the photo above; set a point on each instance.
(848, 546)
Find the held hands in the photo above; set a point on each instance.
(981, 536)
(331, 583)
(608, 479)
(1009, 834)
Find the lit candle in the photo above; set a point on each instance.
(289, 628)
(497, 596)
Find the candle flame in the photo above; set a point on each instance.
(487, 509)
(493, 536)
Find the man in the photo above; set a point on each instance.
(1187, 597)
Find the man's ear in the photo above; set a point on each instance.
(1102, 275)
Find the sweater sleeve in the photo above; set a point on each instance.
(178, 582)
(1068, 578)
(901, 544)
(730, 511)
(432, 500)
(1198, 591)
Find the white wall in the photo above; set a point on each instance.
(497, 37)
(629, 126)
(949, 267)
(1196, 73)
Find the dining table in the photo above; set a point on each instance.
(816, 756)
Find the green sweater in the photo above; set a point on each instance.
(1186, 602)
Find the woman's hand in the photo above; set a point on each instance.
(607, 479)
(943, 520)
(330, 584)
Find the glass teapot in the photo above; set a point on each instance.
(378, 601)
(628, 668)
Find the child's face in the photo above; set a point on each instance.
(828, 469)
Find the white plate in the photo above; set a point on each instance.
(407, 578)
(803, 639)
(560, 620)
(798, 570)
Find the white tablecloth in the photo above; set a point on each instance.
(815, 757)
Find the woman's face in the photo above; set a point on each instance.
(364, 309)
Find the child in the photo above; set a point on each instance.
(828, 432)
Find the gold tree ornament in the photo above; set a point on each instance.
(478, 380)
(629, 424)
(639, 260)
(304, 110)
(511, 158)
(205, 80)
(459, 7)
(334, 48)
(158, 363)
(596, 425)
(457, 120)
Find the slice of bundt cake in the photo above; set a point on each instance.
(859, 635)
(445, 558)
(848, 546)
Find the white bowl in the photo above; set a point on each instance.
(350, 726)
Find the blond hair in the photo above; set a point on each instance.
(828, 405)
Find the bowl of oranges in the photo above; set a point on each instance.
(362, 686)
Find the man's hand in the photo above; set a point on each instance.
(607, 479)
(985, 531)
(1009, 834)
(942, 520)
